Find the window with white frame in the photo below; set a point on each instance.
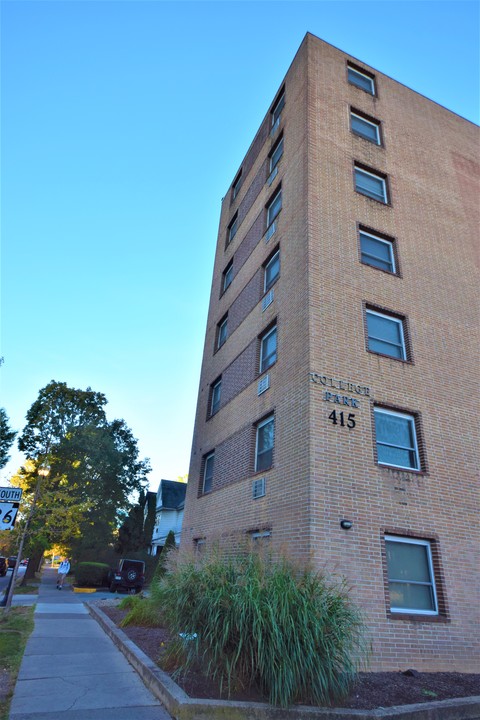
(227, 276)
(208, 465)
(276, 154)
(265, 438)
(271, 271)
(277, 111)
(274, 207)
(268, 349)
(396, 439)
(232, 228)
(367, 129)
(377, 251)
(361, 79)
(386, 334)
(411, 581)
(370, 184)
(222, 331)
(237, 184)
(216, 393)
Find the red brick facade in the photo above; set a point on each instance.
(339, 396)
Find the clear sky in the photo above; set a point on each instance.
(122, 126)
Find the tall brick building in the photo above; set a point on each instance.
(337, 412)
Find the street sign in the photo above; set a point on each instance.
(10, 494)
(8, 513)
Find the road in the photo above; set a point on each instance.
(5, 580)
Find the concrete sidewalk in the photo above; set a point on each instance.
(72, 670)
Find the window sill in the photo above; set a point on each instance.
(387, 272)
(394, 468)
(417, 617)
(369, 197)
(390, 357)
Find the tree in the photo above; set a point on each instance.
(7, 436)
(94, 468)
(131, 536)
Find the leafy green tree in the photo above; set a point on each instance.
(131, 536)
(94, 469)
(7, 436)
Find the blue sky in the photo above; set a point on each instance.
(122, 126)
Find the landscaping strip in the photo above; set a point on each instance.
(15, 629)
(182, 707)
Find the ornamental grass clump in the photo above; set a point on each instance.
(252, 620)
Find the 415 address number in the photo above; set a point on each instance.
(338, 418)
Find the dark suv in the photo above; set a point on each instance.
(130, 574)
(3, 566)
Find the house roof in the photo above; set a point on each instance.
(171, 494)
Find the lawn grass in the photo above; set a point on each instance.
(15, 629)
(26, 589)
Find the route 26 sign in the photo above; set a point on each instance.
(9, 497)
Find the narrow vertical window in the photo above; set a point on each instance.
(209, 462)
(216, 394)
(271, 271)
(277, 111)
(273, 208)
(268, 349)
(222, 331)
(265, 438)
(237, 184)
(232, 228)
(227, 276)
(275, 156)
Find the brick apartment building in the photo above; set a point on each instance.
(338, 412)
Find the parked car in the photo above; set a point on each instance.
(130, 574)
(3, 566)
(12, 561)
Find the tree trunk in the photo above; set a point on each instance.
(33, 566)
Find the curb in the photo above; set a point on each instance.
(182, 707)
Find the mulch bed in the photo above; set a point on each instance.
(376, 689)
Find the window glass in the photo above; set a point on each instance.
(410, 575)
(362, 81)
(377, 252)
(237, 184)
(222, 332)
(277, 110)
(232, 229)
(371, 185)
(216, 395)
(208, 472)
(268, 349)
(265, 441)
(365, 128)
(276, 154)
(385, 335)
(227, 276)
(272, 271)
(396, 439)
(274, 208)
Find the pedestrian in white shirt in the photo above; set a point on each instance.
(63, 570)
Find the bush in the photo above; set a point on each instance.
(251, 619)
(142, 611)
(91, 574)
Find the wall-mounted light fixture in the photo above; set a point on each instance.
(346, 524)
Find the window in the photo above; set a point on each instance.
(275, 155)
(396, 439)
(271, 271)
(232, 229)
(264, 444)
(368, 129)
(237, 184)
(215, 396)
(199, 544)
(361, 79)
(260, 536)
(274, 207)
(222, 331)
(371, 185)
(386, 335)
(377, 251)
(209, 462)
(277, 111)
(268, 349)
(411, 580)
(227, 276)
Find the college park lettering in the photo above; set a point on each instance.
(344, 385)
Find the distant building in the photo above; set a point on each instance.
(337, 412)
(170, 504)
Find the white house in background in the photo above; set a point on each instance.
(169, 513)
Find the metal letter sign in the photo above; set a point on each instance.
(8, 513)
(10, 494)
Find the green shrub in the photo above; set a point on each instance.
(252, 619)
(142, 611)
(91, 574)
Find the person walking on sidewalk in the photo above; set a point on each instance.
(63, 570)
